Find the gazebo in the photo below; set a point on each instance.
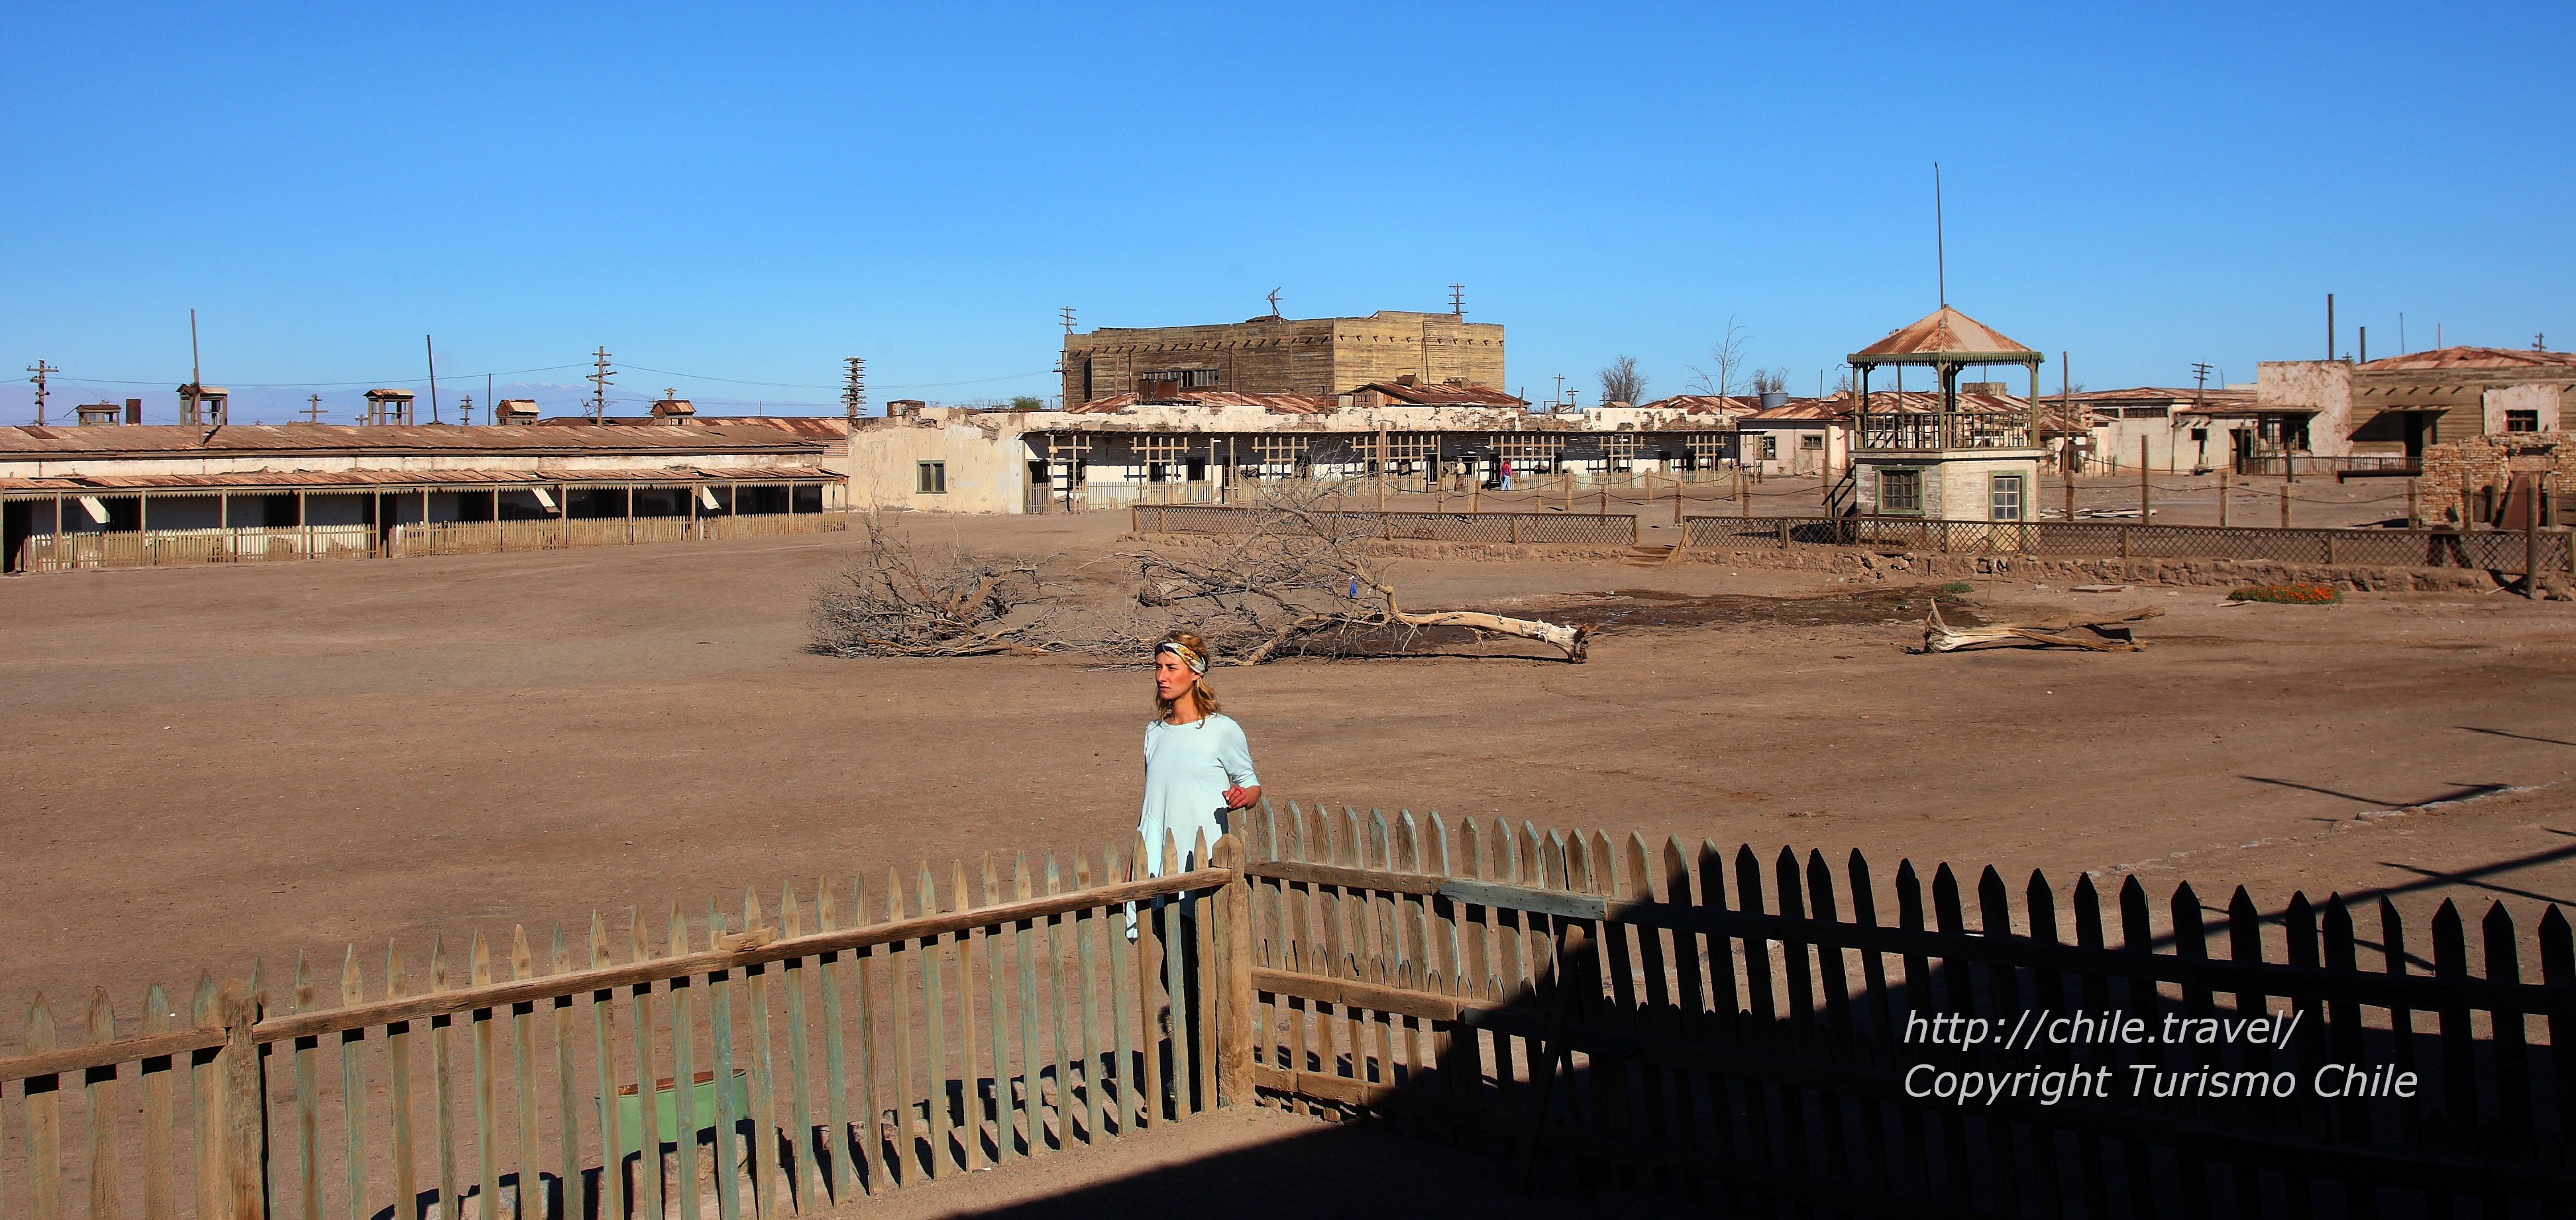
(1974, 459)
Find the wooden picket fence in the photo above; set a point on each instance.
(829, 1053)
(1592, 1009)
(1604, 1009)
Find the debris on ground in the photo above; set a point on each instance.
(2064, 631)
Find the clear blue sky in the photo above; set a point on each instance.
(754, 192)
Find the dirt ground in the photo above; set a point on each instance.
(206, 765)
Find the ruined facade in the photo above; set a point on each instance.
(1311, 356)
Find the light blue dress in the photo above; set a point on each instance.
(1188, 767)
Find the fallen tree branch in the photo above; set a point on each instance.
(2107, 634)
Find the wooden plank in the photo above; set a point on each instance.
(970, 1090)
(603, 1027)
(2190, 942)
(934, 1016)
(766, 1201)
(1690, 1002)
(568, 1200)
(1122, 1007)
(1371, 996)
(997, 1010)
(1086, 936)
(684, 1072)
(1231, 980)
(1956, 979)
(839, 1171)
(753, 950)
(2509, 1041)
(160, 1198)
(1759, 1015)
(901, 1167)
(398, 1096)
(1385, 880)
(1057, 1001)
(648, 1142)
(863, 971)
(729, 1112)
(308, 1108)
(245, 1097)
(1030, 1103)
(523, 1057)
(1639, 886)
(804, 1181)
(2558, 969)
(1203, 1008)
(2003, 993)
(98, 1105)
(1723, 1010)
(1176, 1010)
(2137, 939)
(1149, 961)
(486, 1154)
(1296, 930)
(2039, 906)
(442, 1091)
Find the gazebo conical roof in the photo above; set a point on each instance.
(1946, 336)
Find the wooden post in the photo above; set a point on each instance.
(2146, 490)
(244, 1106)
(2531, 540)
(1784, 533)
(1743, 502)
(2222, 492)
(1677, 500)
(1232, 977)
(1475, 489)
(1381, 469)
(2066, 469)
(2285, 494)
(2414, 511)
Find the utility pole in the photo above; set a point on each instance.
(313, 409)
(2200, 383)
(1458, 300)
(854, 390)
(599, 381)
(1559, 400)
(2330, 330)
(432, 353)
(465, 404)
(41, 371)
(1067, 313)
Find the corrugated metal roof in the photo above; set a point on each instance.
(1944, 333)
(2154, 394)
(2475, 358)
(1443, 394)
(376, 480)
(1705, 404)
(167, 439)
(1277, 404)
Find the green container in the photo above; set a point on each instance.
(666, 1110)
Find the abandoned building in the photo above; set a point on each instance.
(1276, 355)
(72, 497)
(2385, 415)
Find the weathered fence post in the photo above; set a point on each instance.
(243, 1110)
(1784, 533)
(1233, 977)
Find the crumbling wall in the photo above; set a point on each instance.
(2483, 466)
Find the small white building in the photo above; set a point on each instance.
(1955, 461)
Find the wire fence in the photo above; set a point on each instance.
(2493, 550)
(1582, 529)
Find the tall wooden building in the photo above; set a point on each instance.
(1274, 355)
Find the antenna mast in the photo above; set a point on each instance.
(1274, 302)
(1940, 240)
(599, 386)
(313, 409)
(1067, 311)
(854, 391)
(1457, 300)
(432, 352)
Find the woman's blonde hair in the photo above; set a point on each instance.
(1199, 691)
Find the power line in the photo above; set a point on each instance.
(599, 379)
(40, 370)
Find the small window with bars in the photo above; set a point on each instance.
(2522, 421)
(1279, 450)
(931, 478)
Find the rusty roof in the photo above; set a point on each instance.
(1277, 404)
(377, 480)
(2474, 358)
(2156, 394)
(1705, 404)
(164, 440)
(1413, 393)
(1946, 335)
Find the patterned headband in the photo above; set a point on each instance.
(1189, 657)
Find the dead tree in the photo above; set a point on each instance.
(1305, 577)
(898, 600)
(2109, 634)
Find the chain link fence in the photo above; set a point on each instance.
(2493, 550)
(1584, 529)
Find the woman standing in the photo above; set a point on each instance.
(1198, 768)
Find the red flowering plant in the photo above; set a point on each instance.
(2289, 594)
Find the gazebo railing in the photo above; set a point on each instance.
(1942, 430)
